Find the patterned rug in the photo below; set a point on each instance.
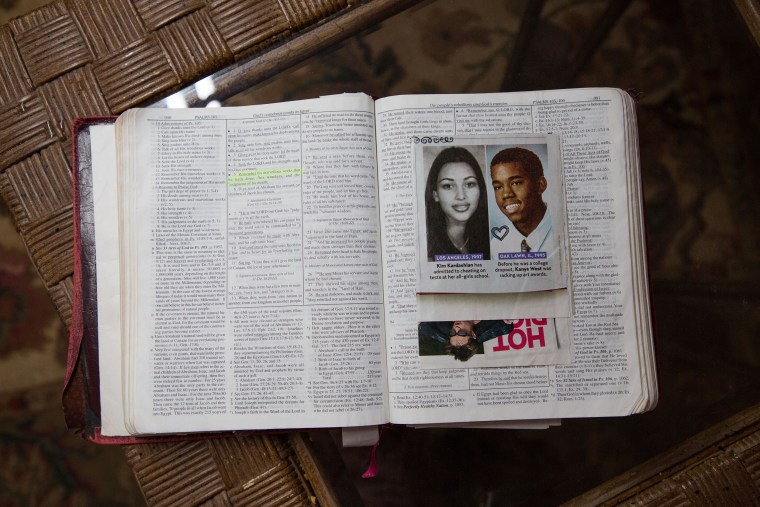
(695, 68)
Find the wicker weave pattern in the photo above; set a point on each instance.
(194, 45)
(107, 26)
(196, 470)
(157, 13)
(40, 183)
(55, 40)
(71, 96)
(254, 470)
(15, 82)
(135, 74)
(24, 129)
(61, 294)
(248, 22)
(75, 58)
(720, 466)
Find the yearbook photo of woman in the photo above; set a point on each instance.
(456, 208)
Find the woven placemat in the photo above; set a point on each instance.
(719, 466)
(254, 470)
(76, 58)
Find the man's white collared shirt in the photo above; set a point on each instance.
(511, 240)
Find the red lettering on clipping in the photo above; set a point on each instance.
(528, 332)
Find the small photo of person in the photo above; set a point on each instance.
(456, 203)
(518, 182)
(459, 338)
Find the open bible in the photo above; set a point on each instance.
(281, 266)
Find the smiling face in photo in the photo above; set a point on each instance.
(518, 195)
(457, 191)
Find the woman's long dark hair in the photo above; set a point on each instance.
(476, 229)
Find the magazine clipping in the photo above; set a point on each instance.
(491, 214)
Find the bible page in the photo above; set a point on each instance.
(603, 378)
(254, 245)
